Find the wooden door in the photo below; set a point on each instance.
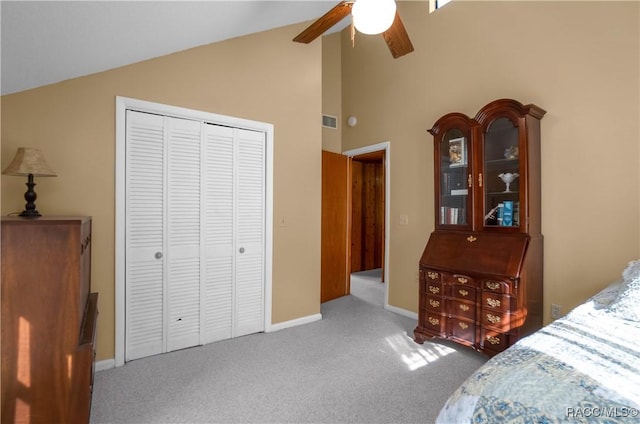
(367, 225)
(336, 223)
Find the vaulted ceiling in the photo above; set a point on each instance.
(44, 42)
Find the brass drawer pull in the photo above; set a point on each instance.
(434, 303)
(434, 321)
(494, 303)
(493, 318)
(464, 308)
(463, 325)
(463, 293)
(493, 340)
(471, 239)
(492, 285)
(433, 275)
(434, 290)
(462, 280)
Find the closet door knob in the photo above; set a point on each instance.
(241, 250)
(158, 255)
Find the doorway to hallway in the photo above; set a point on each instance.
(368, 286)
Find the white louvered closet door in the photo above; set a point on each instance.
(219, 233)
(144, 233)
(195, 233)
(250, 195)
(162, 293)
(183, 233)
(234, 226)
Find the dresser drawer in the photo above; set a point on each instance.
(434, 304)
(464, 292)
(463, 330)
(493, 340)
(431, 275)
(463, 309)
(496, 320)
(434, 288)
(464, 280)
(498, 286)
(495, 302)
(435, 322)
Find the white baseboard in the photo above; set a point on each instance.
(294, 322)
(402, 312)
(105, 364)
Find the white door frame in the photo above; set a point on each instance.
(124, 103)
(386, 147)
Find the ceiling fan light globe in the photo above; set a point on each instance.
(373, 16)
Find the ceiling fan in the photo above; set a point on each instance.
(393, 31)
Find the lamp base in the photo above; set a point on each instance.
(30, 214)
(30, 196)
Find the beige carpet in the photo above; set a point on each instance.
(358, 364)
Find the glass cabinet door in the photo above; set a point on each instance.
(501, 175)
(455, 176)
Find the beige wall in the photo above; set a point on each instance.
(332, 91)
(578, 60)
(263, 77)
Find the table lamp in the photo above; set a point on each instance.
(30, 162)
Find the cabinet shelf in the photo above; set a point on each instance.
(503, 193)
(499, 162)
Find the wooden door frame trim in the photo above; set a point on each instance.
(121, 106)
(386, 147)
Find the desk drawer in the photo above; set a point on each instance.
(463, 330)
(494, 340)
(463, 309)
(496, 302)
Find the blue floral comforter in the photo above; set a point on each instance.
(584, 367)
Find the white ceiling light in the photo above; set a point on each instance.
(373, 16)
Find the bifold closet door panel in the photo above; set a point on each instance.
(218, 290)
(162, 291)
(183, 233)
(144, 234)
(234, 228)
(250, 187)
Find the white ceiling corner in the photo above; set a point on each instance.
(43, 42)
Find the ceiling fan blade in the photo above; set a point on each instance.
(326, 21)
(397, 38)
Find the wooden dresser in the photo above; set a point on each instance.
(481, 271)
(48, 320)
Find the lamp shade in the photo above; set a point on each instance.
(373, 16)
(29, 160)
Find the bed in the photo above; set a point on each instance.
(584, 367)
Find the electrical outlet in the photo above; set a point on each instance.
(556, 311)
